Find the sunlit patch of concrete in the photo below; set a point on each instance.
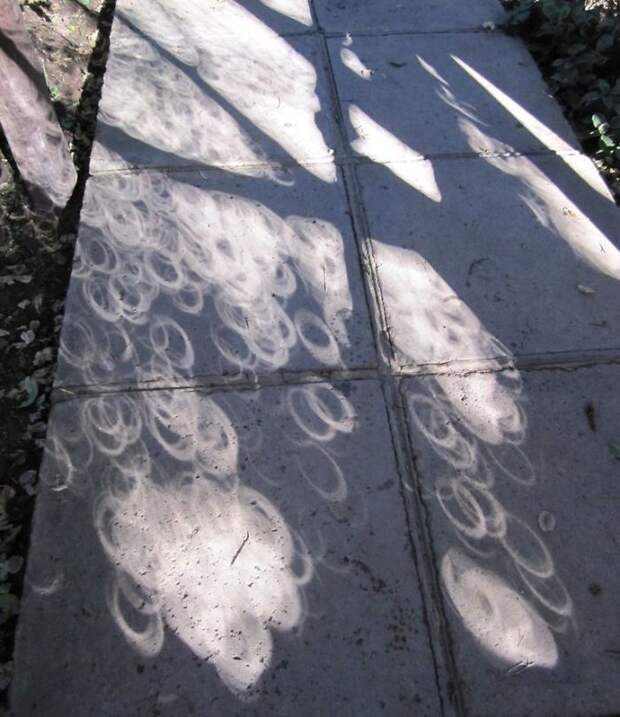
(379, 145)
(212, 562)
(351, 60)
(152, 100)
(298, 10)
(258, 72)
(552, 208)
(581, 166)
(152, 239)
(502, 621)
(429, 323)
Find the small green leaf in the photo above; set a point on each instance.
(608, 141)
(597, 120)
(32, 391)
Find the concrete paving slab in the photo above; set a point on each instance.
(238, 95)
(207, 274)
(405, 15)
(522, 487)
(285, 17)
(240, 553)
(483, 258)
(421, 94)
(181, 24)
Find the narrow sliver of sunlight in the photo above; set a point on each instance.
(582, 167)
(379, 145)
(551, 207)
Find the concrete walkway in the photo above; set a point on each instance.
(336, 428)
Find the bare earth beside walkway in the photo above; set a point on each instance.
(336, 427)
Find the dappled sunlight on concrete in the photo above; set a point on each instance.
(500, 619)
(469, 474)
(552, 208)
(156, 102)
(258, 470)
(429, 324)
(193, 550)
(258, 72)
(379, 145)
(468, 409)
(476, 424)
(29, 122)
(208, 557)
(584, 168)
(320, 414)
(155, 242)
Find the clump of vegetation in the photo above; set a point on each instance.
(578, 50)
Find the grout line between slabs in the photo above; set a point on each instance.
(340, 161)
(561, 361)
(317, 31)
(422, 560)
(213, 384)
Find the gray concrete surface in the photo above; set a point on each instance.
(421, 16)
(336, 419)
(239, 554)
(266, 100)
(525, 535)
(238, 276)
(443, 99)
(516, 258)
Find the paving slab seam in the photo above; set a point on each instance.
(216, 383)
(359, 225)
(339, 161)
(434, 619)
(571, 362)
(336, 34)
(525, 362)
(215, 167)
(425, 538)
(448, 677)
